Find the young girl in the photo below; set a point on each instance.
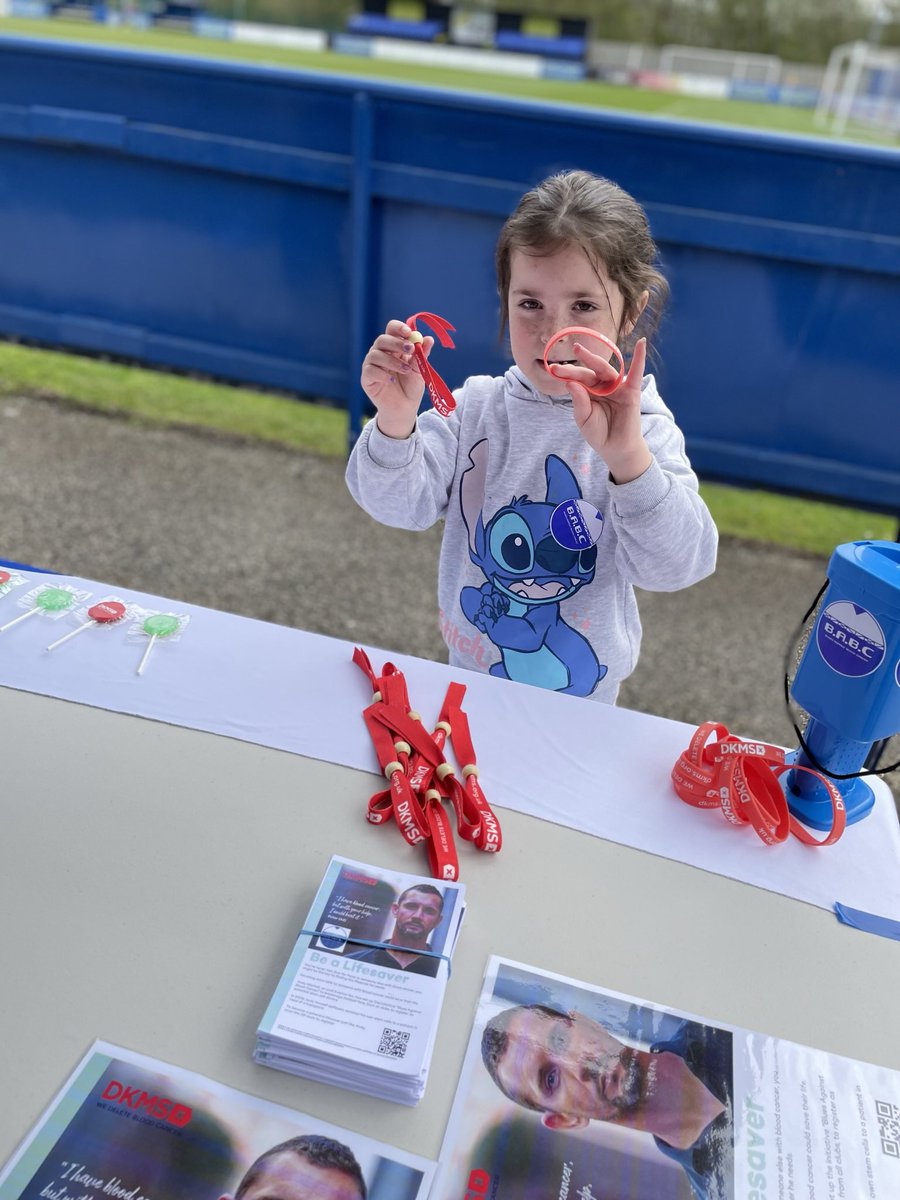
(557, 503)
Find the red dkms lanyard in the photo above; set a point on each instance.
(438, 392)
(420, 777)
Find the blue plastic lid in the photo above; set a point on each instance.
(868, 572)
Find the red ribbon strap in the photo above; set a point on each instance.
(478, 821)
(439, 394)
(420, 777)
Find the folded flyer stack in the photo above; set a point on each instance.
(359, 1001)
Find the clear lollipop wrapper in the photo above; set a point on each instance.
(10, 579)
(48, 600)
(150, 627)
(109, 611)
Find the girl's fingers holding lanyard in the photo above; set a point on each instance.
(392, 344)
(382, 374)
(396, 348)
(390, 377)
(398, 329)
(382, 360)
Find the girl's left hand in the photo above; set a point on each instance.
(611, 425)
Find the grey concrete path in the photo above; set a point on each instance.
(274, 534)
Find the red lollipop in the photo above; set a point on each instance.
(104, 612)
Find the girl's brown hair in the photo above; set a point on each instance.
(578, 208)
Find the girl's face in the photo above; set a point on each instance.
(547, 292)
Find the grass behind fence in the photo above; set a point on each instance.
(781, 118)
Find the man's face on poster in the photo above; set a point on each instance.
(290, 1176)
(571, 1069)
(416, 914)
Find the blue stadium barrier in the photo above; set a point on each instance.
(261, 225)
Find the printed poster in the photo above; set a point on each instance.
(572, 1092)
(126, 1127)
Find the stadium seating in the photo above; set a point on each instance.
(551, 37)
(391, 18)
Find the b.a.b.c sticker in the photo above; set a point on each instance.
(333, 937)
(850, 639)
(576, 524)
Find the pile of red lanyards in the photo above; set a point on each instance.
(741, 778)
(419, 775)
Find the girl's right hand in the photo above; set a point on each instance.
(392, 380)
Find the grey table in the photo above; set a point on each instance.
(153, 879)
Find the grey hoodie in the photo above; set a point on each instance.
(513, 600)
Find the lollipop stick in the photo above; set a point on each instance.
(74, 633)
(143, 661)
(24, 617)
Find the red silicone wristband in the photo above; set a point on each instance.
(583, 331)
(741, 777)
(839, 822)
(759, 799)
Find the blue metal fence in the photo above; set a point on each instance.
(262, 224)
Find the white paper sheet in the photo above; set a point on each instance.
(782, 1120)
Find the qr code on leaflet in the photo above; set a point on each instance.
(889, 1127)
(393, 1042)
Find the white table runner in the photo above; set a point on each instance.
(588, 766)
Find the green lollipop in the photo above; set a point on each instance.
(48, 600)
(160, 625)
(157, 625)
(54, 599)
